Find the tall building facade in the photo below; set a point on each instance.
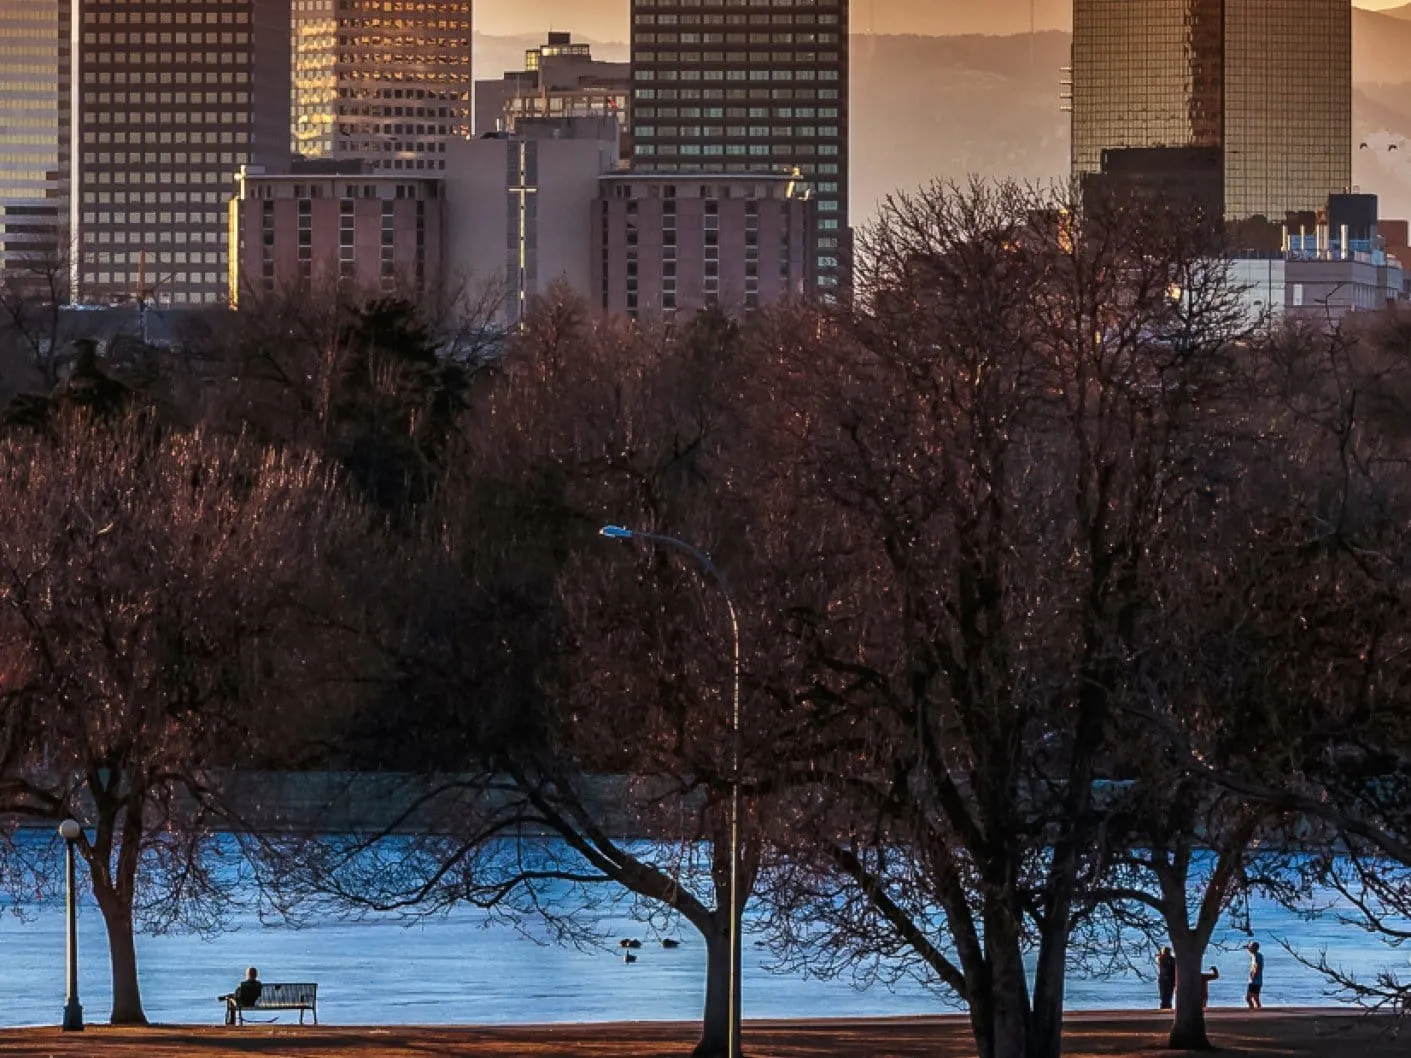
(1288, 104)
(1268, 83)
(35, 100)
(385, 81)
(171, 98)
(328, 224)
(740, 86)
(665, 244)
(519, 209)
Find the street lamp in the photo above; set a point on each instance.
(71, 831)
(617, 532)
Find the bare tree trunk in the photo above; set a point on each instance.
(1188, 1030)
(1012, 1020)
(715, 1024)
(982, 1026)
(122, 955)
(1046, 1034)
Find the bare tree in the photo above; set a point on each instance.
(34, 290)
(165, 601)
(1327, 610)
(989, 459)
(577, 689)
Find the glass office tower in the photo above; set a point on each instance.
(1288, 104)
(1267, 82)
(1145, 74)
(737, 86)
(34, 155)
(385, 81)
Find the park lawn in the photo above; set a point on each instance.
(1271, 1035)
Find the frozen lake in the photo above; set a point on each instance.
(458, 970)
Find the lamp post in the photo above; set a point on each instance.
(71, 831)
(617, 532)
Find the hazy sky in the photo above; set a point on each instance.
(607, 19)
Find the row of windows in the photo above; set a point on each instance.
(161, 158)
(180, 218)
(152, 198)
(736, 57)
(91, 77)
(737, 131)
(167, 58)
(735, 38)
(149, 137)
(163, 18)
(737, 112)
(156, 258)
(737, 75)
(754, 150)
(208, 178)
(735, 20)
(735, 94)
(383, 111)
(806, 168)
(167, 98)
(173, 116)
(132, 39)
(391, 147)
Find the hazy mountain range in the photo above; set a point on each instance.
(947, 103)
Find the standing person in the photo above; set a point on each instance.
(1256, 977)
(1166, 976)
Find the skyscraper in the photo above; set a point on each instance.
(738, 86)
(1266, 82)
(385, 81)
(34, 158)
(1288, 104)
(171, 98)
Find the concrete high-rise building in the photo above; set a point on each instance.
(519, 209)
(740, 86)
(384, 81)
(326, 223)
(34, 159)
(1268, 83)
(668, 244)
(170, 99)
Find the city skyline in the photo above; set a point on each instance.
(607, 20)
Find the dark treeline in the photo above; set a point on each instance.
(1071, 604)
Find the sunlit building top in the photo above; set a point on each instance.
(1267, 83)
(386, 81)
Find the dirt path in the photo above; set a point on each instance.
(1273, 1035)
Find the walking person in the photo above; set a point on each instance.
(1166, 976)
(1256, 977)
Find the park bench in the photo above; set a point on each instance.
(300, 997)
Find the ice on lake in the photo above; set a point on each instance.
(458, 969)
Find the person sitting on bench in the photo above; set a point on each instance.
(246, 994)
